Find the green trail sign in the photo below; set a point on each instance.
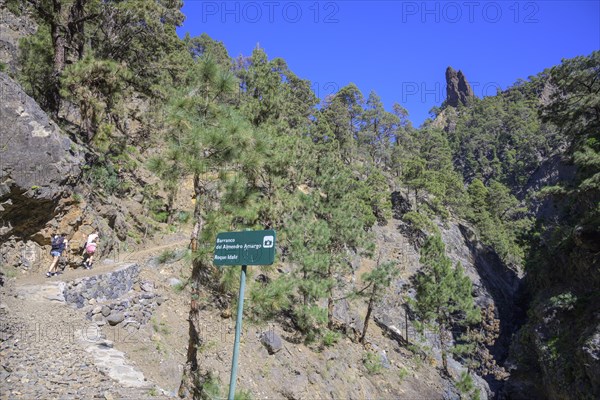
(245, 248)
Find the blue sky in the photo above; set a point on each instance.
(401, 49)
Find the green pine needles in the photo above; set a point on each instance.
(443, 299)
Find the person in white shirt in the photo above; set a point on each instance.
(91, 245)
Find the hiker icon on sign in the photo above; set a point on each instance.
(268, 242)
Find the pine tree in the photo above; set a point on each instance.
(138, 36)
(309, 244)
(413, 173)
(567, 248)
(98, 87)
(575, 109)
(443, 297)
(169, 168)
(142, 35)
(64, 22)
(377, 280)
(476, 343)
(204, 45)
(35, 57)
(378, 132)
(331, 222)
(209, 136)
(343, 114)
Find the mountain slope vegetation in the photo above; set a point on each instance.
(263, 152)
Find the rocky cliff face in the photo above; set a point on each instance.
(38, 168)
(43, 190)
(458, 90)
(556, 354)
(12, 28)
(493, 283)
(38, 160)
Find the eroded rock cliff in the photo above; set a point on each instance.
(39, 165)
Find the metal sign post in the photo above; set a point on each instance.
(243, 248)
(238, 332)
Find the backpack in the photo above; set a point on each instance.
(57, 242)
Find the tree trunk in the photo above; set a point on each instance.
(369, 311)
(416, 199)
(192, 380)
(198, 190)
(443, 347)
(330, 299)
(59, 41)
(305, 295)
(58, 63)
(406, 324)
(58, 33)
(170, 207)
(330, 310)
(77, 27)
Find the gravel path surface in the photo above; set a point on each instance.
(43, 353)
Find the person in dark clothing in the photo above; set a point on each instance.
(59, 245)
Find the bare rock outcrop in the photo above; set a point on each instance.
(458, 90)
(38, 164)
(12, 29)
(494, 283)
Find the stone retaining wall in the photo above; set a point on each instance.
(130, 312)
(109, 286)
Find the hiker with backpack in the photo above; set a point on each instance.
(90, 248)
(59, 244)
